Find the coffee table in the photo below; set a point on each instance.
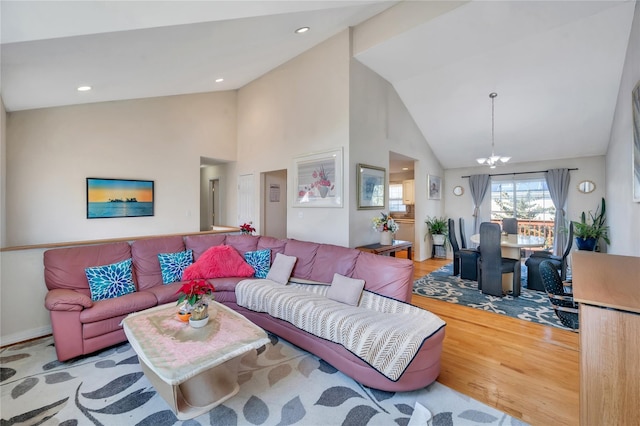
(193, 369)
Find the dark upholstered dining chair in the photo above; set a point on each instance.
(463, 238)
(464, 261)
(534, 281)
(510, 225)
(491, 264)
(564, 306)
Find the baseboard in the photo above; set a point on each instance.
(24, 335)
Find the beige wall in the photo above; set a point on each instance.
(53, 150)
(3, 174)
(299, 108)
(381, 123)
(623, 213)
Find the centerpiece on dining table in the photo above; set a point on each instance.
(194, 299)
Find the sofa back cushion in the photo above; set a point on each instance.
(332, 259)
(306, 254)
(200, 243)
(65, 267)
(145, 258)
(242, 243)
(274, 244)
(385, 275)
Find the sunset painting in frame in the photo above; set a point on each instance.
(119, 198)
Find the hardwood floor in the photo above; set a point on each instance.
(527, 370)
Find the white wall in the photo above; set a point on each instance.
(381, 123)
(591, 168)
(3, 174)
(623, 214)
(51, 151)
(299, 108)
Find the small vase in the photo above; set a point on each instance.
(198, 323)
(386, 238)
(324, 190)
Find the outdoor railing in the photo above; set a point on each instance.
(537, 228)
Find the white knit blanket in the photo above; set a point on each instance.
(385, 333)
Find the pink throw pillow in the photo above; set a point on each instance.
(218, 262)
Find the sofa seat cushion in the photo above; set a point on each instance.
(383, 332)
(109, 308)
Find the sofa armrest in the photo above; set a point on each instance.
(61, 299)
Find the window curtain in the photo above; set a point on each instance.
(479, 184)
(558, 184)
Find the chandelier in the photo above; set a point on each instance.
(494, 160)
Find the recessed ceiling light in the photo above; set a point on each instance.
(84, 88)
(219, 80)
(405, 168)
(301, 30)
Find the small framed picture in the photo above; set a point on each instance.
(318, 179)
(370, 181)
(434, 187)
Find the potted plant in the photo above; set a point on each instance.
(194, 299)
(438, 228)
(589, 230)
(247, 228)
(386, 226)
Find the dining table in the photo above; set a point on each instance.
(511, 246)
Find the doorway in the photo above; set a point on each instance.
(273, 204)
(214, 191)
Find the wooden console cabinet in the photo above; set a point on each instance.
(608, 290)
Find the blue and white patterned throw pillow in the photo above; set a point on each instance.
(173, 265)
(260, 261)
(109, 281)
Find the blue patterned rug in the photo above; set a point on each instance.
(531, 305)
(280, 384)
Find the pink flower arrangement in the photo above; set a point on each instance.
(322, 183)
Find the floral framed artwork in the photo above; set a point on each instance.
(318, 179)
(109, 198)
(371, 184)
(434, 185)
(635, 98)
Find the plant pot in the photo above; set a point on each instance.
(198, 323)
(386, 238)
(438, 239)
(588, 244)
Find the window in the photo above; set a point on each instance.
(395, 198)
(529, 201)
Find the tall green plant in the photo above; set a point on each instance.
(593, 226)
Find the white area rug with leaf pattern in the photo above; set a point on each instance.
(280, 384)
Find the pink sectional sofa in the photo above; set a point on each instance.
(82, 326)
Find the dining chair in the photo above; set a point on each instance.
(464, 261)
(534, 281)
(463, 238)
(563, 304)
(491, 264)
(510, 225)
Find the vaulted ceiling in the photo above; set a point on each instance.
(555, 65)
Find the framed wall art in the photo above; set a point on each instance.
(371, 184)
(434, 186)
(318, 179)
(108, 198)
(635, 96)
